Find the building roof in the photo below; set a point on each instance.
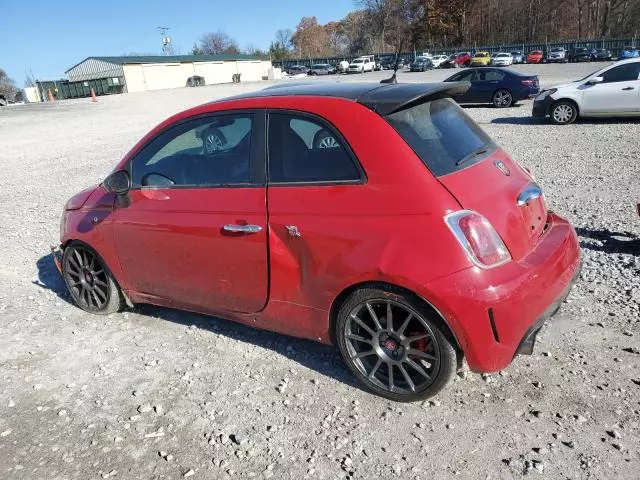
(134, 59)
(382, 98)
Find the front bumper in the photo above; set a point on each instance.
(496, 313)
(541, 108)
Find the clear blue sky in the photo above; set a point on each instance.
(47, 38)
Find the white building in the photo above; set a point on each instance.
(141, 73)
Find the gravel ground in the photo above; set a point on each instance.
(155, 393)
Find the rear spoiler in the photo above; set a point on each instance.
(392, 98)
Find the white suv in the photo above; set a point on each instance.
(361, 65)
(613, 91)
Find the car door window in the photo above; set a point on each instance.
(466, 76)
(622, 73)
(206, 151)
(305, 150)
(489, 75)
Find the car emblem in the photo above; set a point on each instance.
(390, 345)
(500, 165)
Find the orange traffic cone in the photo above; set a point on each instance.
(93, 96)
(50, 95)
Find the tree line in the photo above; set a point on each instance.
(382, 25)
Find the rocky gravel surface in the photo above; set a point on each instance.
(155, 393)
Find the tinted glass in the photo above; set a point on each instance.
(623, 73)
(489, 75)
(442, 135)
(302, 150)
(206, 151)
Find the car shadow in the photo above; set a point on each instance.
(50, 279)
(608, 241)
(517, 121)
(323, 359)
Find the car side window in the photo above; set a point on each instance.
(303, 150)
(466, 76)
(207, 151)
(489, 75)
(622, 73)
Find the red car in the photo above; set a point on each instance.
(379, 218)
(535, 57)
(464, 59)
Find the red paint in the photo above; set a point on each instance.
(535, 57)
(167, 246)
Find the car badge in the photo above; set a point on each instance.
(500, 165)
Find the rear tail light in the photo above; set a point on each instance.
(529, 83)
(478, 238)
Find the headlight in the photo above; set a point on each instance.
(546, 93)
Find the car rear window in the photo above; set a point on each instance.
(442, 135)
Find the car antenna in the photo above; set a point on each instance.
(392, 79)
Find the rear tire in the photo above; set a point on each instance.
(89, 281)
(563, 112)
(406, 359)
(502, 98)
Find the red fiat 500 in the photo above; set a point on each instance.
(379, 218)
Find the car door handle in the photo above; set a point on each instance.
(242, 228)
(629, 88)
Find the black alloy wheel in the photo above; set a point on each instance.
(394, 349)
(89, 282)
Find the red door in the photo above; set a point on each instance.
(193, 228)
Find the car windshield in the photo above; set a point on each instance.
(319, 66)
(516, 53)
(482, 54)
(581, 50)
(358, 60)
(503, 55)
(537, 52)
(557, 49)
(442, 135)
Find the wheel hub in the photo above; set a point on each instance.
(391, 346)
(87, 276)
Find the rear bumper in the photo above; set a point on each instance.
(496, 313)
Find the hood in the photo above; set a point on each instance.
(79, 199)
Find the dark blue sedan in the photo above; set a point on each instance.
(499, 86)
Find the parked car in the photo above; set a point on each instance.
(500, 87)
(480, 59)
(502, 60)
(183, 221)
(343, 67)
(518, 57)
(362, 64)
(437, 60)
(322, 69)
(535, 57)
(463, 59)
(421, 64)
(600, 55)
(450, 62)
(628, 52)
(388, 62)
(557, 55)
(579, 54)
(297, 69)
(3, 101)
(609, 92)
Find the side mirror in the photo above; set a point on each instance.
(118, 182)
(595, 80)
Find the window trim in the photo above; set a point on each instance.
(257, 157)
(331, 128)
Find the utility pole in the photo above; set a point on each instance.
(167, 48)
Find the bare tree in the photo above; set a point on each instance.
(7, 86)
(218, 43)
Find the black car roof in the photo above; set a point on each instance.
(381, 98)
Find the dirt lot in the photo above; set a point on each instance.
(155, 393)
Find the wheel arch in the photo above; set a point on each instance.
(384, 285)
(116, 274)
